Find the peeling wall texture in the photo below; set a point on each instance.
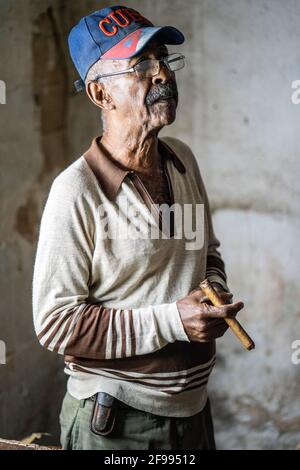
(236, 114)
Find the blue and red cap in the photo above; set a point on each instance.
(114, 33)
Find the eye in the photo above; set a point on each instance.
(143, 65)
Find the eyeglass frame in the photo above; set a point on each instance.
(132, 69)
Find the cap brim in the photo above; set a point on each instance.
(135, 42)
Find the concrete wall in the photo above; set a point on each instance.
(236, 114)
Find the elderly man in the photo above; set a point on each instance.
(125, 309)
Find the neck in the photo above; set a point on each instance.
(135, 149)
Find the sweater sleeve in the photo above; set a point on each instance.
(64, 320)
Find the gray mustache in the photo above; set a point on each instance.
(160, 92)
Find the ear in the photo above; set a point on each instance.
(99, 95)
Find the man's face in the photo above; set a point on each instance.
(149, 103)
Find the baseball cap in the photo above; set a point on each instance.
(116, 32)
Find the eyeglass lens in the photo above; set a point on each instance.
(151, 67)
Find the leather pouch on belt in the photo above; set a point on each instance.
(104, 414)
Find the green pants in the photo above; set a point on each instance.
(134, 429)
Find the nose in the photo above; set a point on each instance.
(163, 76)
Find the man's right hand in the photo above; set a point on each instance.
(201, 320)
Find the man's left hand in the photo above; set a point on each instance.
(226, 297)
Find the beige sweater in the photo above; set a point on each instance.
(109, 304)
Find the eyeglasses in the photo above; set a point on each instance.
(148, 68)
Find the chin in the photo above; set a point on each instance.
(169, 119)
(165, 113)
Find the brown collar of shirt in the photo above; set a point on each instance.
(110, 175)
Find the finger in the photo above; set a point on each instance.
(212, 323)
(226, 297)
(227, 310)
(199, 295)
(232, 309)
(205, 300)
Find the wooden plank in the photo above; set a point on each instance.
(15, 445)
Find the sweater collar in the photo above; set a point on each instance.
(110, 174)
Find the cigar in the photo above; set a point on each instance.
(233, 324)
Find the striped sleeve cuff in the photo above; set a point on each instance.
(170, 323)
